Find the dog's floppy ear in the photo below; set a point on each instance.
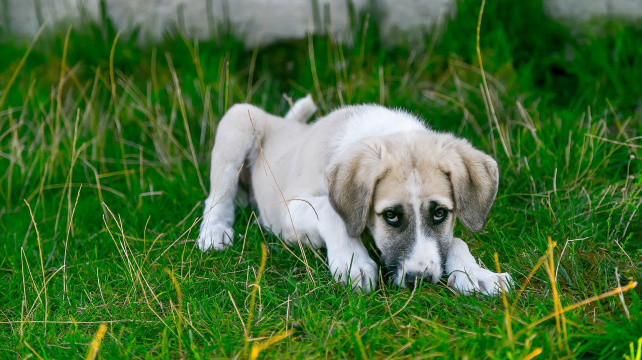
(351, 179)
(474, 177)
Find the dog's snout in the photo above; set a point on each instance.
(411, 279)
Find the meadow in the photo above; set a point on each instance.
(104, 158)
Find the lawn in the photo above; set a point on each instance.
(104, 151)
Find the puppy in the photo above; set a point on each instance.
(359, 168)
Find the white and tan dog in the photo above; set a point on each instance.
(360, 167)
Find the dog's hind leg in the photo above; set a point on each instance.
(235, 147)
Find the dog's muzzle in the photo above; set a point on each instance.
(413, 278)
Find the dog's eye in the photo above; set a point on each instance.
(391, 217)
(439, 215)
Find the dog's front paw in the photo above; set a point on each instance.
(480, 280)
(217, 237)
(358, 270)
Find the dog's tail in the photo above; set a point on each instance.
(302, 110)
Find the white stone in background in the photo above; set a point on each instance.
(583, 11)
(264, 21)
(23, 18)
(268, 21)
(411, 19)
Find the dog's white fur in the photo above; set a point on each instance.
(291, 167)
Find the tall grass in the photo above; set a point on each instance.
(106, 148)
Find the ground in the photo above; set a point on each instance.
(105, 148)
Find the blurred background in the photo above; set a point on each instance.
(269, 21)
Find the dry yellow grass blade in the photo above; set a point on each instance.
(486, 92)
(507, 317)
(181, 105)
(362, 348)
(256, 349)
(42, 265)
(95, 344)
(33, 351)
(532, 354)
(255, 288)
(179, 323)
(21, 63)
(560, 319)
(540, 262)
(617, 290)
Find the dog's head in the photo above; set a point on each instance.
(407, 189)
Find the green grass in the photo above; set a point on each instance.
(116, 194)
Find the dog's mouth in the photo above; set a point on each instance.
(395, 276)
(412, 279)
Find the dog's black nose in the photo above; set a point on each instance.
(411, 279)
